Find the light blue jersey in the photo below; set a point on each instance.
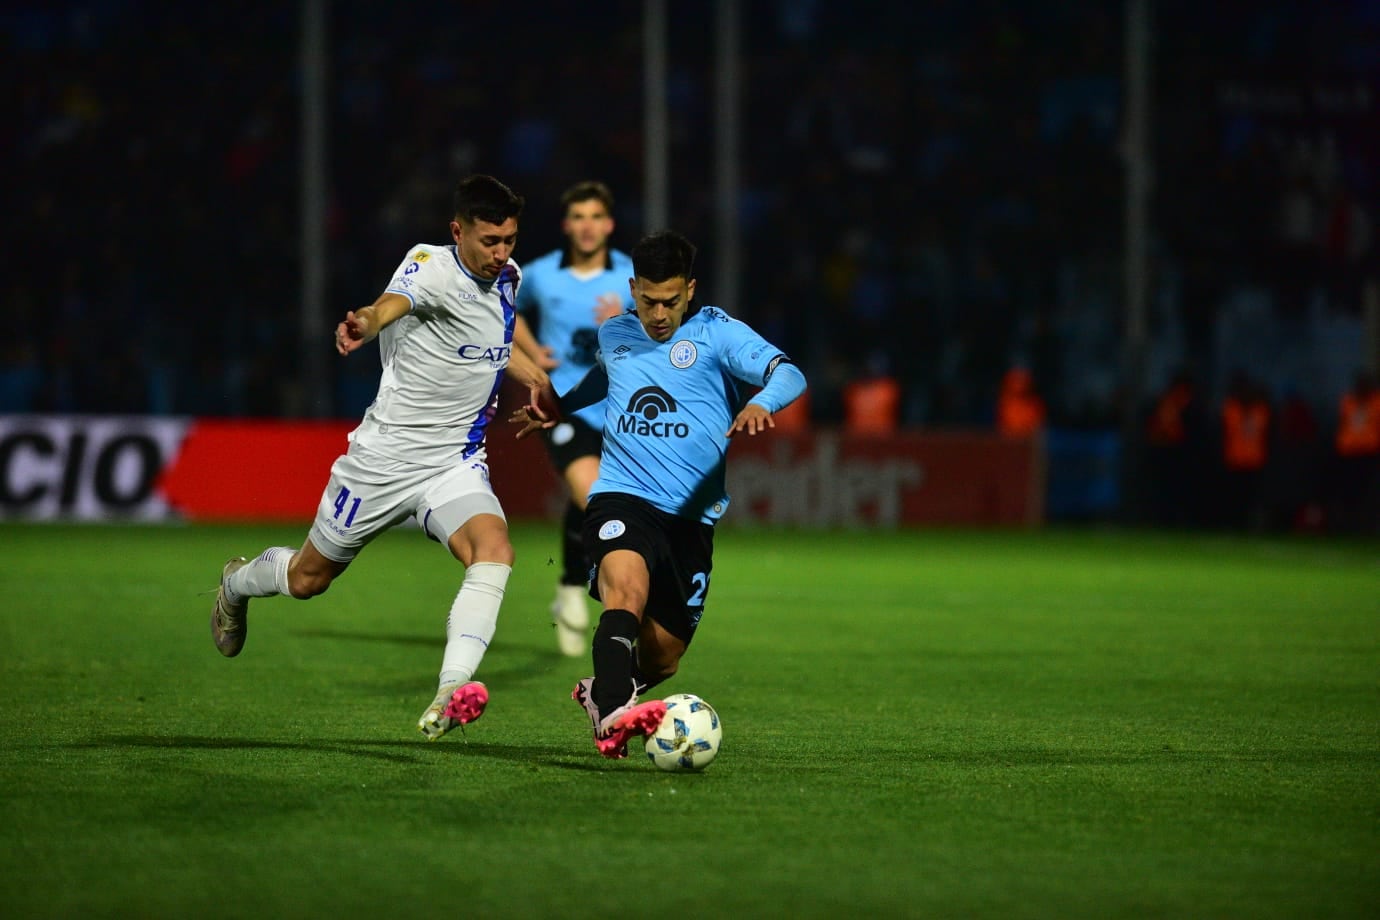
(669, 405)
(563, 312)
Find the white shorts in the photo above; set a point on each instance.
(368, 494)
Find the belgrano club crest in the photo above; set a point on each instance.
(683, 354)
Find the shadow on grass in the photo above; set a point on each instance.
(505, 664)
(562, 758)
(409, 752)
(430, 641)
(191, 743)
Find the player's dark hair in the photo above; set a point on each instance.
(589, 190)
(664, 255)
(480, 197)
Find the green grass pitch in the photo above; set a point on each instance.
(921, 724)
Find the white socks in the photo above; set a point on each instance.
(469, 628)
(263, 576)
(473, 619)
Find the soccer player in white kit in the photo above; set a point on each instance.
(445, 329)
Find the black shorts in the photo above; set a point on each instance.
(572, 439)
(679, 554)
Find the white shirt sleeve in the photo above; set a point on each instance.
(418, 277)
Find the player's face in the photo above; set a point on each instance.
(588, 226)
(484, 247)
(661, 305)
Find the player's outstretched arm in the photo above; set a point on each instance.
(591, 389)
(543, 355)
(361, 326)
(538, 383)
(783, 387)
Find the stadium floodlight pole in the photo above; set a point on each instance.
(656, 211)
(1370, 309)
(728, 135)
(1136, 151)
(315, 338)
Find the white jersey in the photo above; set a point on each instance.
(443, 362)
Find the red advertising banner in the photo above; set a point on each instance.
(235, 470)
(113, 467)
(826, 478)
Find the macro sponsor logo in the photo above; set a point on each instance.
(644, 412)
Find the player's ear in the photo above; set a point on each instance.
(690, 290)
(457, 231)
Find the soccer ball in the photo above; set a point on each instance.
(688, 738)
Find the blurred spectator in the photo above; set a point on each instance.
(1245, 451)
(1020, 408)
(21, 377)
(872, 401)
(1292, 480)
(1355, 504)
(1176, 456)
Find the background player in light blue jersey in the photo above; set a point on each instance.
(672, 378)
(565, 295)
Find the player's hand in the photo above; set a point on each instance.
(531, 418)
(752, 419)
(547, 359)
(354, 331)
(543, 406)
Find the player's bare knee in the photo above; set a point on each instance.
(502, 553)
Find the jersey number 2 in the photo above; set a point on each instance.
(701, 582)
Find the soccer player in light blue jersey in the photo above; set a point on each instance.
(565, 296)
(672, 378)
(444, 326)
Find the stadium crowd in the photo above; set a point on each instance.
(932, 192)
